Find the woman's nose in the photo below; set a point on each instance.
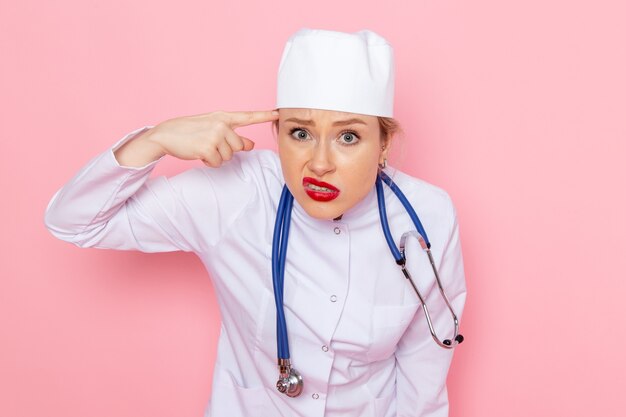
(321, 161)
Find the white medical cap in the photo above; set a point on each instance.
(329, 70)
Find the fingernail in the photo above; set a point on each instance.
(275, 113)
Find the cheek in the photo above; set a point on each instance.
(290, 161)
(360, 173)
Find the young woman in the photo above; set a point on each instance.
(356, 342)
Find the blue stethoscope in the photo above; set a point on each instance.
(290, 381)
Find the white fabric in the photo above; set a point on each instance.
(330, 70)
(380, 361)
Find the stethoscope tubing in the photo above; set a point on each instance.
(446, 343)
(400, 255)
(279, 255)
(405, 202)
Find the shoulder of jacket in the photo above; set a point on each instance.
(426, 197)
(261, 164)
(420, 188)
(243, 178)
(263, 158)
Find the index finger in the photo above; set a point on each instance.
(244, 118)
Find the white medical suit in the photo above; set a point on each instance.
(356, 330)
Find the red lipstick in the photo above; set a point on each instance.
(319, 190)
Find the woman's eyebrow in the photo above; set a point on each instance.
(337, 123)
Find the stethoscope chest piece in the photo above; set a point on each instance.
(290, 381)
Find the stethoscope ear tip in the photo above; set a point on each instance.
(459, 339)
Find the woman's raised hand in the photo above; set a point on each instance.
(209, 137)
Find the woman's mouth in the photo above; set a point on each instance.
(319, 190)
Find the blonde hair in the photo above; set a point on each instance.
(389, 127)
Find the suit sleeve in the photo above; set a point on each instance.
(422, 365)
(106, 205)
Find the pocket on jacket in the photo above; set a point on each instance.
(384, 405)
(387, 327)
(231, 399)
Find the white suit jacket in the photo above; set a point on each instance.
(356, 330)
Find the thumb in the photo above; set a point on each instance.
(248, 145)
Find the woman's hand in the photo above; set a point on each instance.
(209, 137)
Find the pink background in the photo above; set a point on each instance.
(517, 110)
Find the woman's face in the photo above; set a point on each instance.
(329, 158)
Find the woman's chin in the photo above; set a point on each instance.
(321, 210)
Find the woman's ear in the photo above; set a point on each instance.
(384, 149)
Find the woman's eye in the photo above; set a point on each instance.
(299, 134)
(349, 138)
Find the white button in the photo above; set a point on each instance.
(333, 298)
(325, 348)
(315, 395)
(337, 230)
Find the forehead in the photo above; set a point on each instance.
(325, 115)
